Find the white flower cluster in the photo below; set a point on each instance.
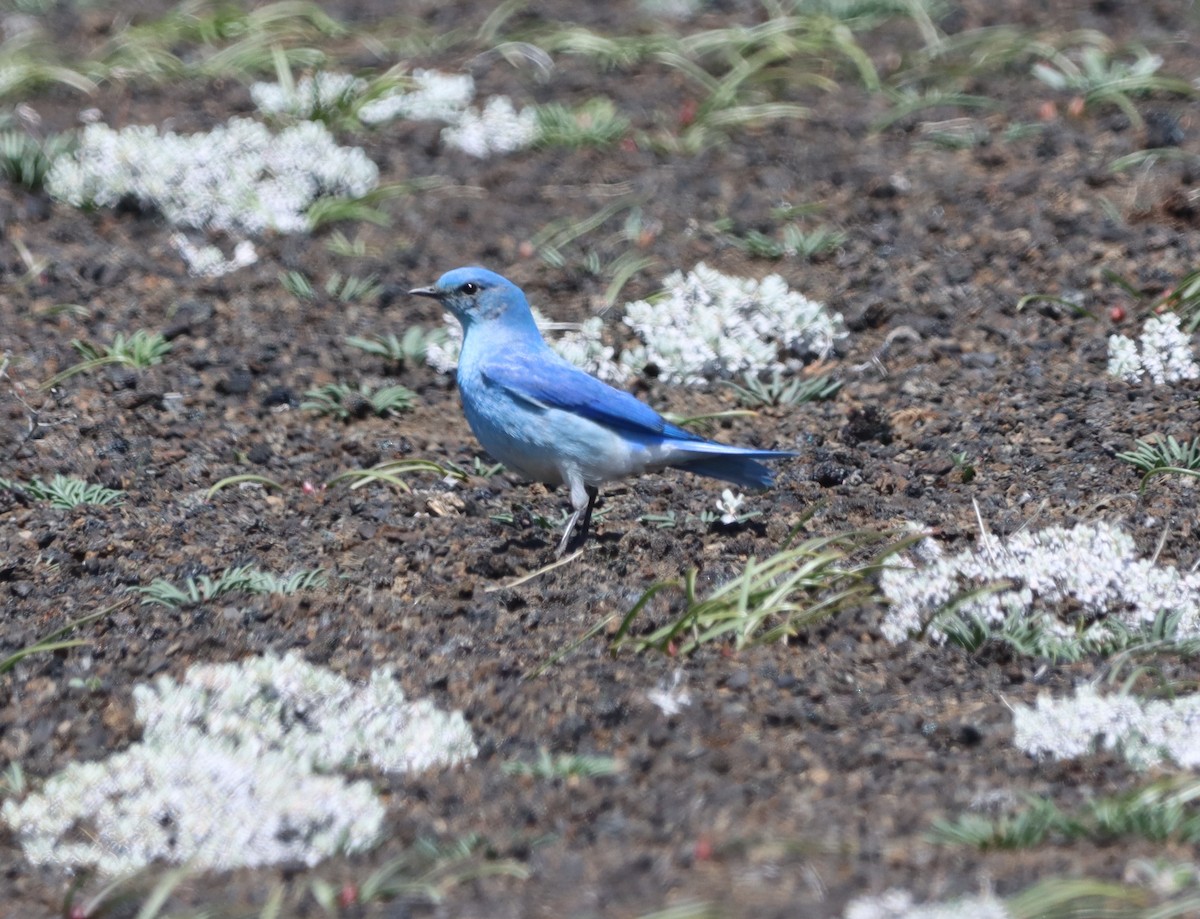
(309, 96)
(239, 177)
(308, 713)
(215, 807)
(209, 261)
(1049, 577)
(671, 696)
(1146, 732)
(436, 96)
(581, 344)
(900, 904)
(1165, 353)
(711, 325)
(227, 772)
(499, 128)
(730, 506)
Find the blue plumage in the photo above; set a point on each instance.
(551, 422)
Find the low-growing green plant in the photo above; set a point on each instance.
(73, 310)
(1031, 637)
(551, 239)
(479, 468)
(351, 288)
(907, 101)
(781, 390)
(406, 351)
(340, 244)
(12, 780)
(595, 123)
(25, 160)
(771, 600)
(428, 872)
(333, 209)
(391, 472)
(28, 60)
(1184, 299)
(794, 241)
(1166, 456)
(1163, 454)
(1146, 159)
(665, 521)
(339, 287)
(296, 284)
(242, 579)
(621, 270)
(344, 402)
(1102, 78)
(54, 641)
(965, 466)
(1162, 811)
(65, 492)
(140, 350)
(246, 478)
(147, 891)
(563, 766)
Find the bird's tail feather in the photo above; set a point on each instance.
(739, 470)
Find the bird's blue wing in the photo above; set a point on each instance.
(550, 382)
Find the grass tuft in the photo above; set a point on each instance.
(771, 600)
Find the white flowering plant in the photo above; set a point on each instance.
(1057, 592)
(321, 97)
(1163, 352)
(235, 768)
(1148, 732)
(707, 325)
(897, 903)
(239, 177)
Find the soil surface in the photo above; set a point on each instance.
(800, 775)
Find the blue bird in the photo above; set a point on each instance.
(551, 422)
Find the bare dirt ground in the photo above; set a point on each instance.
(801, 774)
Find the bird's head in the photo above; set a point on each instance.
(478, 296)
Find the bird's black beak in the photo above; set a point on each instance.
(426, 292)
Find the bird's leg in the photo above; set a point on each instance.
(583, 499)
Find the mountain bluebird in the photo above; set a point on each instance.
(551, 422)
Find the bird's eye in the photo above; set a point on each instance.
(469, 288)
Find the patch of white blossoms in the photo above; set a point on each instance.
(1163, 351)
(209, 261)
(581, 344)
(239, 177)
(900, 904)
(1146, 732)
(228, 772)
(708, 325)
(435, 96)
(309, 96)
(498, 128)
(1081, 584)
